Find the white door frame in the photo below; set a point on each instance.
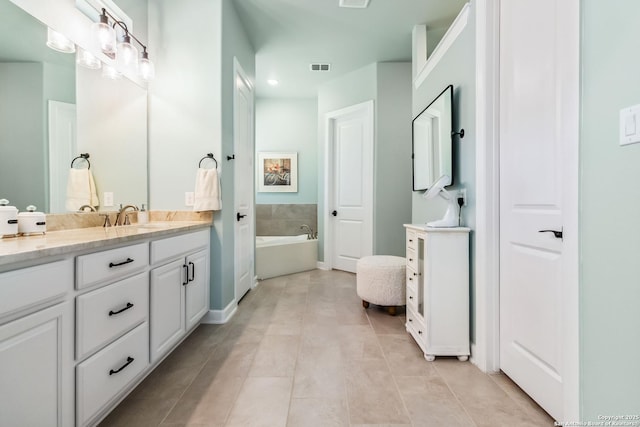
(329, 119)
(486, 349)
(239, 73)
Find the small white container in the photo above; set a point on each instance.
(31, 222)
(143, 216)
(8, 219)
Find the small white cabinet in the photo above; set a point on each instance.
(438, 290)
(179, 289)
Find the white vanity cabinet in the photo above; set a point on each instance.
(36, 346)
(438, 290)
(179, 288)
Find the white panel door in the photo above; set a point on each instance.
(244, 182)
(62, 149)
(166, 301)
(197, 288)
(538, 111)
(36, 372)
(351, 173)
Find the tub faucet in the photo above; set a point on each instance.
(309, 231)
(119, 218)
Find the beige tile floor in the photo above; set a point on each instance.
(301, 351)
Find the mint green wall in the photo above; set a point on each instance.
(392, 169)
(609, 212)
(191, 113)
(457, 67)
(290, 125)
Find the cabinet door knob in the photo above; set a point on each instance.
(410, 297)
(420, 332)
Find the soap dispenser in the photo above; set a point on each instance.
(143, 215)
(8, 219)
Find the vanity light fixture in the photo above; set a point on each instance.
(57, 41)
(125, 53)
(110, 72)
(87, 59)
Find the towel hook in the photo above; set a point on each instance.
(84, 156)
(208, 156)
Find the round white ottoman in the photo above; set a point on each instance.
(380, 279)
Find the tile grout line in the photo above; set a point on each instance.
(454, 394)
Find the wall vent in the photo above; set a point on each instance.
(357, 4)
(320, 67)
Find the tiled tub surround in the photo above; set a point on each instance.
(285, 220)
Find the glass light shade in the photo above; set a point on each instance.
(104, 35)
(87, 59)
(127, 56)
(111, 73)
(57, 41)
(146, 69)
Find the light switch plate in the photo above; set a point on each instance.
(630, 125)
(107, 198)
(189, 198)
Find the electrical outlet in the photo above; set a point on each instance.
(107, 199)
(189, 198)
(462, 193)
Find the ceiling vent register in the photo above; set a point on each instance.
(357, 4)
(320, 67)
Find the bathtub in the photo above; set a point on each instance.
(281, 255)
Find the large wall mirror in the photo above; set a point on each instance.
(52, 110)
(432, 142)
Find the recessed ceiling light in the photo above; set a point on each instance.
(272, 82)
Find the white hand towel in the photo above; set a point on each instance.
(81, 189)
(207, 192)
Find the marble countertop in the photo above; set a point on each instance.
(26, 248)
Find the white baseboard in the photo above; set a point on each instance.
(321, 266)
(256, 282)
(473, 359)
(218, 317)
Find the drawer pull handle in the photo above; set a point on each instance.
(116, 264)
(411, 278)
(193, 271)
(115, 371)
(186, 275)
(410, 320)
(410, 240)
(128, 306)
(420, 332)
(415, 274)
(410, 297)
(410, 259)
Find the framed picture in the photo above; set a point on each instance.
(278, 172)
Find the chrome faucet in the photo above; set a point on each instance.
(91, 208)
(119, 220)
(309, 231)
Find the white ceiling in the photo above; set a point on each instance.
(288, 35)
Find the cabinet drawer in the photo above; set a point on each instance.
(29, 287)
(416, 327)
(412, 240)
(412, 260)
(412, 278)
(104, 266)
(173, 247)
(102, 376)
(108, 312)
(412, 298)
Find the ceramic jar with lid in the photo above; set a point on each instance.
(8, 219)
(31, 222)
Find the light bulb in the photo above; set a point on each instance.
(87, 59)
(111, 73)
(127, 56)
(57, 41)
(104, 35)
(147, 70)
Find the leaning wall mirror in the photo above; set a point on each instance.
(432, 142)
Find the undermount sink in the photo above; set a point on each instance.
(153, 225)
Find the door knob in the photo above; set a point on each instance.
(556, 233)
(334, 213)
(239, 217)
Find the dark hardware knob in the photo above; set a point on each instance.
(410, 259)
(410, 297)
(193, 271)
(128, 261)
(239, 217)
(420, 332)
(127, 307)
(415, 274)
(410, 320)
(186, 274)
(115, 371)
(411, 278)
(334, 213)
(410, 240)
(556, 233)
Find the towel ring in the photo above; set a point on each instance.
(208, 156)
(84, 156)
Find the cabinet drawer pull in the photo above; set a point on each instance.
(127, 307)
(115, 371)
(410, 297)
(127, 261)
(410, 320)
(186, 275)
(415, 274)
(411, 279)
(420, 332)
(410, 240)
(193, 272)
(410, 259)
